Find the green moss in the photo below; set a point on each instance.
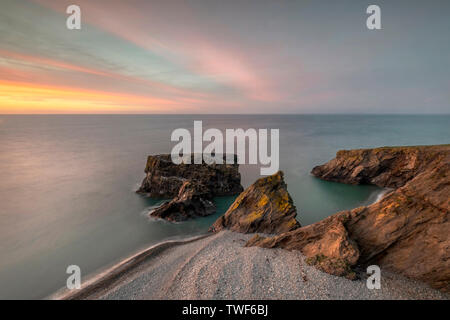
(318, 258)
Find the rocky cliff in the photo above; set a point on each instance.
(326, 245)
(192, 186)
(265, 206)
(407, 231)
(385, 167)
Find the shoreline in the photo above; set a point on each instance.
(226, 265)
(106, 277)
(217, 266)
(380, 195)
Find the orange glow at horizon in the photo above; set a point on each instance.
(16, 97)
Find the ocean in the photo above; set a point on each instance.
(67, 183)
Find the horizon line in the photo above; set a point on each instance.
(219, 114)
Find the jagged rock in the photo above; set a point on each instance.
(164, 178)
(407, 231)
(193, 200)
(326, 245)
(192, 185)
(265, 206)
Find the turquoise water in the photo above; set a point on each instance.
(67, 183)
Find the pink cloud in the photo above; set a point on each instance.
(141, 25)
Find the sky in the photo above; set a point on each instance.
(224, 56)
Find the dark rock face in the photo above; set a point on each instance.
(407, 231)
(265, 206)
(192, 186)
(193, 200)
(164, 178)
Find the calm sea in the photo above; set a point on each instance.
(67, 183)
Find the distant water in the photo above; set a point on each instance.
(67, 183)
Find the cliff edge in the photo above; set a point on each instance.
(407, 231)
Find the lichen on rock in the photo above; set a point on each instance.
(265, 206)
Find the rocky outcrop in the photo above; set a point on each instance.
(407, 231)
(265, 206)
(326, 245)
(164, 178)
(192, 186)
(193, 200)
(385, 167)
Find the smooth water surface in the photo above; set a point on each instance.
(67, 183)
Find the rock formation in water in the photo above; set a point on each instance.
(385, 167)
(192, 186)
(407, 231)
(164, 178)
(193, 200)
(265, 206)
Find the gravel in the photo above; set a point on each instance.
(220, 267)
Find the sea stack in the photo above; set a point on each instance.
(190, 186)
(164, 178)
(265, 206)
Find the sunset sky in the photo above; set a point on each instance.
(224, 56)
